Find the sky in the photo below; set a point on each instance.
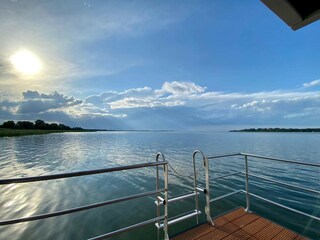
(164, 65)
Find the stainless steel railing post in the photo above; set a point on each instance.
(166, 180)
(196, 198)
(157, 187)
(166, 218)
(207, 190)
(247, 183)
(207, 207)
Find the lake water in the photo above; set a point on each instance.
(66, 152)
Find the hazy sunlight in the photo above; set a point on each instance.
(26, 62)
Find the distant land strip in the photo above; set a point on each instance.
(7, 132)
(22, 128)
(278, 130)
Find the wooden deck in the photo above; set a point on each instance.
(239, 225)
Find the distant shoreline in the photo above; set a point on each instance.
(278, 130)
(8, 132)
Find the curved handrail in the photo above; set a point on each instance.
(206, 191)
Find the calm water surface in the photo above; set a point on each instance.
(67, 152)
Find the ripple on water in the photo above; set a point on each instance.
(47, 154)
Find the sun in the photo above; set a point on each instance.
(26, 62)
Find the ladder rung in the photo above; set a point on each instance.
(179, 218)
(177, 198)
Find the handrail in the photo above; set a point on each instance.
(263, 157)
(77, 209)
(79, 173)
(224, 155)
(165, 200)
(246, 174)
(180, 218)
(116, 232)
(285, 207)
(281, 160)
(226, 195)
(160, 201)
(100, 204)
(284, 184)
(227, 175)
(196, 188)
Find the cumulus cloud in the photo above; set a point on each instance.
(34, 102)
(143, 103)
(180, 88)
(171, 94)
(112, 96)
(312, 84)
(174, 105)
(214, 107)
(31, 95)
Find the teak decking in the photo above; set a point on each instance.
(239, 225)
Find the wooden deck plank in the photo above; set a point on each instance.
(269, 232)
(195, 233)
(239, 225)
(256, 226)
(217, 234)
(245, 219)
(220, 221)
(241, 234)
(299, 237)
(234, 214)
(229, 228)
(286, 234)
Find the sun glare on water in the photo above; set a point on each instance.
(26, 62)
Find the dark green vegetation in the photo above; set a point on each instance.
(38, 124)
(9, 132)
(10, 128)
(278, 130)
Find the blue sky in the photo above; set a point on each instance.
(185, 65)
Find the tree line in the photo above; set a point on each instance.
(38, 124)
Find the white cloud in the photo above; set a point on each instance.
(34, 102)
(180, 88)
(185, 103)
(144, 103)
(312, 84)
(192, 95)
(296, 115)
(170, 95)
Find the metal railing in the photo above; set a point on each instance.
(162, 198)
(156, 192)
(165, 202)
(246, 174)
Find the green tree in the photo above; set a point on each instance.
(39, 124)
(64, 127)
(53, 126)
(8, 124)
(24, 125)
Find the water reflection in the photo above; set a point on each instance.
(47, 154)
